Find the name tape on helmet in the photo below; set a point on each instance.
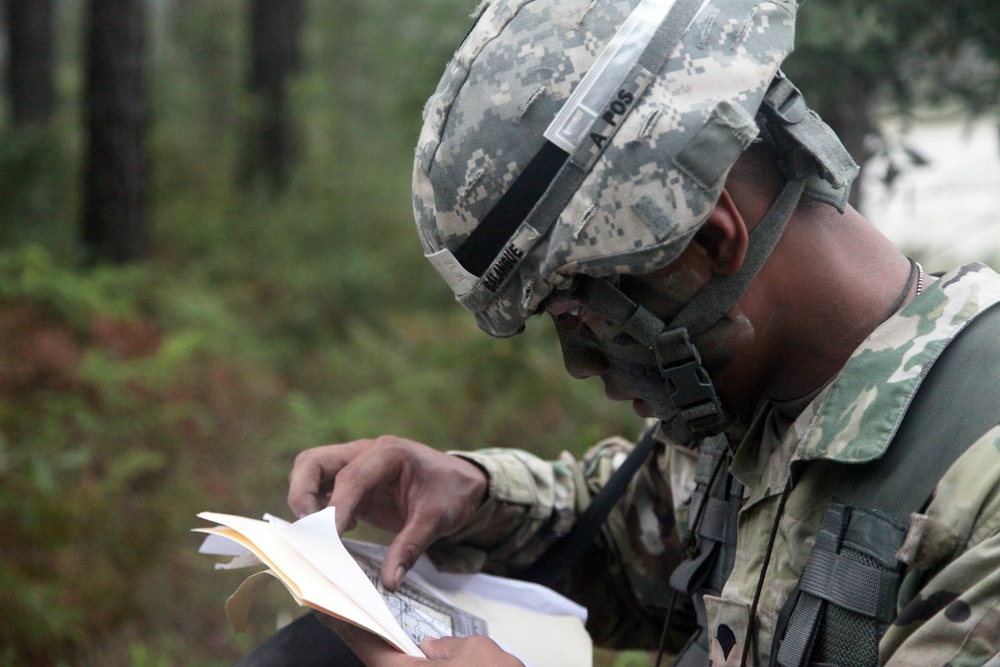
(601, 81)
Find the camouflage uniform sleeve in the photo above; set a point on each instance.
(950, 600)
(623, 579)
(531, 503)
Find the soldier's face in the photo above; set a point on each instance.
(627, 368)
(592, 346)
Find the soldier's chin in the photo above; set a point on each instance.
(643, 409)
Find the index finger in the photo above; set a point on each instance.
(313, 471)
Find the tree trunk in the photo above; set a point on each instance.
(30, 60)
(275, 29)
(116, 171)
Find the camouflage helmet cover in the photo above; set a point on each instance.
(651, 166)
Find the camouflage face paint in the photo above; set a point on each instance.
(628, 369)
(595, 346)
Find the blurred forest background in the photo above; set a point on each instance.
(207, 264)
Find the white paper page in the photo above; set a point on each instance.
(220, 545)
(217, 545)
(500, 589)
(225, 532)
(296, 570)
(508, 591)
(315, 537)
(537, 639)
(523, 617)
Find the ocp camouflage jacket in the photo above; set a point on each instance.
(948, 610)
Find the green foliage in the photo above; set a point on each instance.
(904, 55)
(133, 397)
(29, 274)
(859, 63)
(632, 659)
(437, 379)
(99, 411)
(35, 174)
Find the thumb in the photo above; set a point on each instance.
(438, 648)
(403, 552)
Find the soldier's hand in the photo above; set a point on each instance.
(395, 484)
(454, 651)
(462, 651)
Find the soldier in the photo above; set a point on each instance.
(823, 485)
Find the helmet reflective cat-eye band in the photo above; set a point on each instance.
(645, 40)
(597, 91)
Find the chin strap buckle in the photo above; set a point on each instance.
(784, 102)
(690, 387)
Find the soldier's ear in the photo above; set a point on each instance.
(724, 236)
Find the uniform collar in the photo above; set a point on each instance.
(853, 419)
(860, 413)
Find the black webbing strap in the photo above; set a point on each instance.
(723, 292)
(711, 518)
(857, 582)
(560, 558)
(850, 584)
(800, 635)
(691, 390)
(715, 507)
(957, 402)
(487, 240)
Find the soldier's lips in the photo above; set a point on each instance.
(639, 406)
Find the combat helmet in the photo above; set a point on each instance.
(572, 141)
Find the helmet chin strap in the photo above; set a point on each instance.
(815, 165)
(691, 390)
(723, 292)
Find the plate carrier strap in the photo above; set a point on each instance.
(846, 596)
